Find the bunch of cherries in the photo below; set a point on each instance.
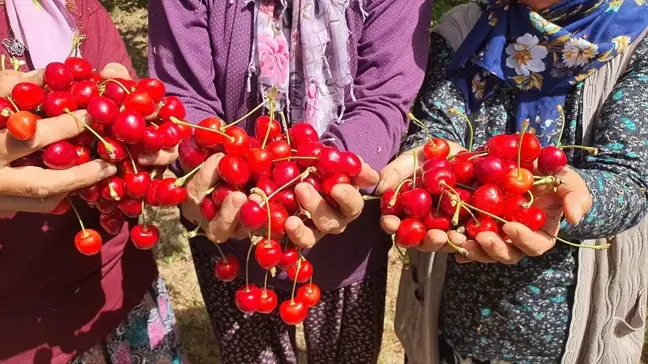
(476, 191)
(125, 118)
(269, 164)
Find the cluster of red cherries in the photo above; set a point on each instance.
(124, 119)
(475, 191)
(269, 164)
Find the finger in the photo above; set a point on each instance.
(29, 204)
(395, 172)
(161, 158)
(40, 183)
(475, 254)
(532, 243)
(324, 217)
(48, 131)
(300, 234)
(497, 249)
(368, 177)
(205, 178)
(349, 199)
(224, 225)
(10, 78)
(7, 215)
(390, 223)
(435, 240)
(115, 70)
(457, 238)
(575, 195)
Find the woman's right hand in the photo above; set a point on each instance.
(34, 189)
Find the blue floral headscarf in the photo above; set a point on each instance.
(544, 54)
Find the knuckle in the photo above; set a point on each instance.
(328, 225)
(38, 189)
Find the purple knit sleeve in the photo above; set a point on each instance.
(392, 56)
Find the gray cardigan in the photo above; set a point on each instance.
(608, 316)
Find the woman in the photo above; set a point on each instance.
(350, 69)
(536, 302)
(59, 306)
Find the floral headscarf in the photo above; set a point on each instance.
(544, 54)
(301, 49)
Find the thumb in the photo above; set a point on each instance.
(398, 170)
(205, 178)
(10, 78)
(115, 70)
(575, 196)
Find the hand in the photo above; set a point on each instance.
(434, 241)
(327, 220)
(165, 156)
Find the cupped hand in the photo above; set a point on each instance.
(325, 219)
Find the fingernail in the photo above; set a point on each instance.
(146, 159)
(108, 171)
(32, 73)
(577, 214)
(238, 201)
(305, 190)
(486, 243)
(340, 193)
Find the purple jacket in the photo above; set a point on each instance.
(201, 50)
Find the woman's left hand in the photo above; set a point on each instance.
(327, 220)
(165, 156)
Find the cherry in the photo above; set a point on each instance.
(105, 206)
(509, 166)
(103, 110)
(445, 206)
(267, 253)
(335, 179)
(234, 170)
(83, 92)
(489, 198)
(485, 223)
(517, 181)
(221, 192)
(129, 127)
(350, 164)
(268, 301)
(284, 172)
(489, 169)
(248, 298)
(115, 92)
(278, 217)
(314, 180)
(533, 217)
(311, 150)
(503, 146)
(416, 203)
(289, 258)
(140, 102)
(252, 216)
(208, 209)
(6, 110)
(530, 147)
(27, 96)
(463, 171)
(293, 312)
(152, 141)
(60, 155)
(437, 222)
(302, 133)
(310, 294)
(190, 154)
(209, 139)
(80, 69)
(172, 107)
(267, 186)
(170, 134)
(62, 208)
(22, 125)
(551, 160)
(329, 161)
(137, 184)
(436, 147)
(226, 269)
(57, 76)
(112, 223)
(410, 233)
(153, 87)
(130, 207)
(305, 272)
(288, 199)
(435, 163)
(88, 242)
(117, 154)
(86, 138)
(145, 237)
(279, 149)
(261, 126)
(112, 188)
(385, 202)
(151, 196)
(259, 160)
(434, 181)
(239, 145)
(90, 193)
(57, 103)
(168, 194)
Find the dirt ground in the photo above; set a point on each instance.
(174, 258)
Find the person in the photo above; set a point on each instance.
(59, 306)
(531, 299)
(349, 69)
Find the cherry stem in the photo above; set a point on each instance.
(108, 146)
(246, 115)
(292, 296)
(12, 103)
(525, 125)
(285, 125)
(193, 233)
(562, 127)
(546, 181)
(531, 199)
(182, 180)
(459, 250)
(113, 193)
(181, 122)
(294, 157)
(422, 125)
(591, 150)
(438, 206)
(247, 267)
(394, 199)
(267, 134)
(414, 154)
(156, 126)
(477, 156)
(370, 198)
(144, 215)
(132, 160)
(103, 84)
(210, 190)
(466, 187)
(266, 201)
(221, 252)
(468, 123)
(403, 256)
(265, 283)
(76, 212)
(303, 175)
(471, 214)
(485, 212)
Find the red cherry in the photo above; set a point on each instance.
(279, 149)
(263, 125)
(6, 109)
(485, 223)
(268, 301)
(62, 208)
(311, 150)
(171, 134)
(130, 207)
(259, 160)
(310, 294)
(221, 192)
(435, 163)
(350, 164)
(140, 102)
(208, 139)
(435, 181)
(436, 147)
(386, 199)
(289, 258)
(285, 171)
(90, 193)
(80, 69)
(168, 194)
(510, 166)
(334, 179)
(115, 91)
(551, 160)
(153, 87)
(27, 96)
(22, 125)
(293, 311)
(302, 133)
(112, 223)
(267, 253)
(533, 217)
(410, 233)
(240, 145)
(489, 169)
(234, 170)
(489, 198)
(329, 161)
(252, 216)
(145, 237)
(83, 155)
(57, 76)
(117, 154)
(315, 181)
(83, 92)
(267, 186)
(88, 242)
(112, 188)
(226, 269)
(446, 208)
(503, 146)
(57, 103)
(531, 147)
(105, 206)
(463, 171)
(305, 272)
(517, 182)
(278, 217)
(437, 222)
(172, 107)
(416, 203)
(60, 155)
(137, 184)
(190, 154)
(208, 209)
(86, 138)
(248, 298)
(103, 110)
(152, 141)
(129, 127)
(288, 200)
